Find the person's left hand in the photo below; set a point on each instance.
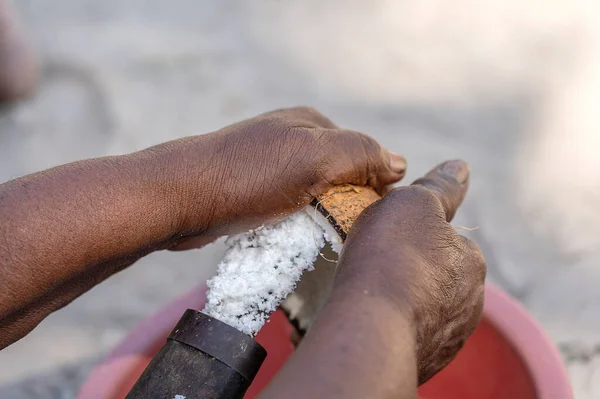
(265, 168)
(72, 226)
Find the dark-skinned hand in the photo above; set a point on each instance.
(66, 229)
(408, 293)
(267, 167)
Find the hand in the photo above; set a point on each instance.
(404, 249)
(263, 169)
(70, 227)
(408, 293)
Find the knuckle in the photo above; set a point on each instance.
(328, 137)
(399, 197)
(475, 258)
(297, 131)
(415, 197)
(283, 122)
(292, 136)
(358, 140)
(481, 265)
(312, 116)
(480, 302)
(304, 109)
(371, 146)
(415, 212)
(436, 185)
(370, 149)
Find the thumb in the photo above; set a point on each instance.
(448, 182)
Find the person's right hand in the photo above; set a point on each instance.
(404, 249)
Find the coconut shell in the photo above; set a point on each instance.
(342, 204)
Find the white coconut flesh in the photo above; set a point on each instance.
(329, 232)
(262, 267)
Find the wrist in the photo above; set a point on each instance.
(364, 341)
(367, 295)
(181, 176)
(372, 273)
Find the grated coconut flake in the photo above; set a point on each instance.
(262, 267)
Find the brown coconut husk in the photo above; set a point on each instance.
(342, 204)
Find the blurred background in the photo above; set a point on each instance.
(511, 86)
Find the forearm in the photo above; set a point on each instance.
(65, 229)
(361, 346)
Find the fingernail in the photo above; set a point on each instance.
(397, 162)
(458, 170)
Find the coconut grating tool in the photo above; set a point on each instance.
(212, 353)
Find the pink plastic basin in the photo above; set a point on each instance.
(508, 356)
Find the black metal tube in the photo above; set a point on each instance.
(203, 358)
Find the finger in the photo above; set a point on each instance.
(356, 158)
(307, 114)
(473, 256)
(448, 182)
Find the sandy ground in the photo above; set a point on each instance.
(510, 86)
